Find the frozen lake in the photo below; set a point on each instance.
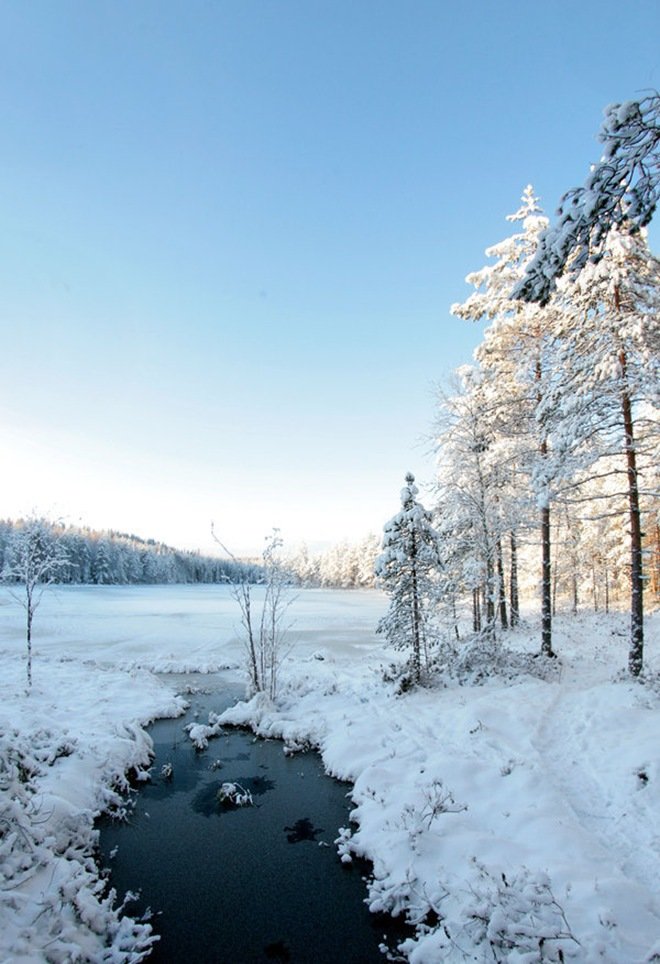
(197, 866)
(182, 628)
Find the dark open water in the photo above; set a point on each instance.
(254, 884)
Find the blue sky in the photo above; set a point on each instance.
(231, 233)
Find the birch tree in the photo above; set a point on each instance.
(35, 559)
(263, 622)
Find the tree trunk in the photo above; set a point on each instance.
(455, 616)
(476, 611)
(594, 588)
(490, 597)
(416, 642)
(30, 613)
(546, 572)
(514, 607)
(655, 563)
(501, 587)
(546, 585)
(607, 590)
(636, 650)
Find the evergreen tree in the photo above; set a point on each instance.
(609, 365)
(517, 356)
(623, 186)
(406, 569)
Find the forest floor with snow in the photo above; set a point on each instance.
(510, 818)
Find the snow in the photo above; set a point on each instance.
(509, 811)
(495, 814)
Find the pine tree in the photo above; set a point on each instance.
(623, 186)
(472, 502)
(609, 344)
(516, 354)
(406, 569)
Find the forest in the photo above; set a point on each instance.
(115, 558)
(548, 443)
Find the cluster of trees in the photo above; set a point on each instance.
(111, 558)
(548, 445)
(554, 429)
(345, 565)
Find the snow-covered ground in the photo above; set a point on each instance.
(510, 818)
(65, 748)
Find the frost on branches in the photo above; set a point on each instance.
(624, 185)
(515, 359)
(264, 630)
(35, 559)
(405, 570)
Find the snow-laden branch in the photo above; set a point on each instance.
(623, 186)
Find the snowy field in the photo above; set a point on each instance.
(517, 820)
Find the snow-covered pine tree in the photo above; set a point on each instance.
(473, 509)
(623, 186)
(516, 354)
(608, 339)
(406, 570)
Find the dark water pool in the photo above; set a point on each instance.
(261, 883)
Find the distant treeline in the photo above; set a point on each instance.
(116, 558)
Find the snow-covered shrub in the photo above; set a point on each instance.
(264, 630)
(518, 917)
(481, 658)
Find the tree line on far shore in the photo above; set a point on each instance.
(117, 558)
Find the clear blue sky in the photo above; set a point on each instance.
(231, 232)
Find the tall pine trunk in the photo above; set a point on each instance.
(546, 584)
(546, 570)
(636, 650)
(489, 590)
(655, 568)
(416, 640)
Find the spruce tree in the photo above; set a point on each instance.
(406, 569)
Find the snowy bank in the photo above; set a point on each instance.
(65, 752)
(518, 820)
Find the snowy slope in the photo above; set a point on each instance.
(64, 753)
